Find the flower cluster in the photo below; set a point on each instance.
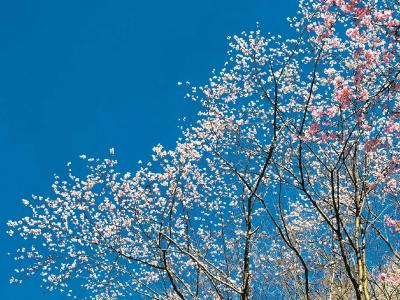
(279, 189)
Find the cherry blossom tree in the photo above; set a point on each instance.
(285, 187)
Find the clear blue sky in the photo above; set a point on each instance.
(83, 76)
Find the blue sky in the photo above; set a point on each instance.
(83, 76)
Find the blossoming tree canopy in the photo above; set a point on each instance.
(286, 185)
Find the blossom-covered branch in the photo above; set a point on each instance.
(285, 186)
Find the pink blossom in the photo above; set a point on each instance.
(343, 96)
(313, 128)
(382, 277)
(370, 57)
(332, 135)
(331, 112)
(382, 15)
(372, 145)
(360, 12)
